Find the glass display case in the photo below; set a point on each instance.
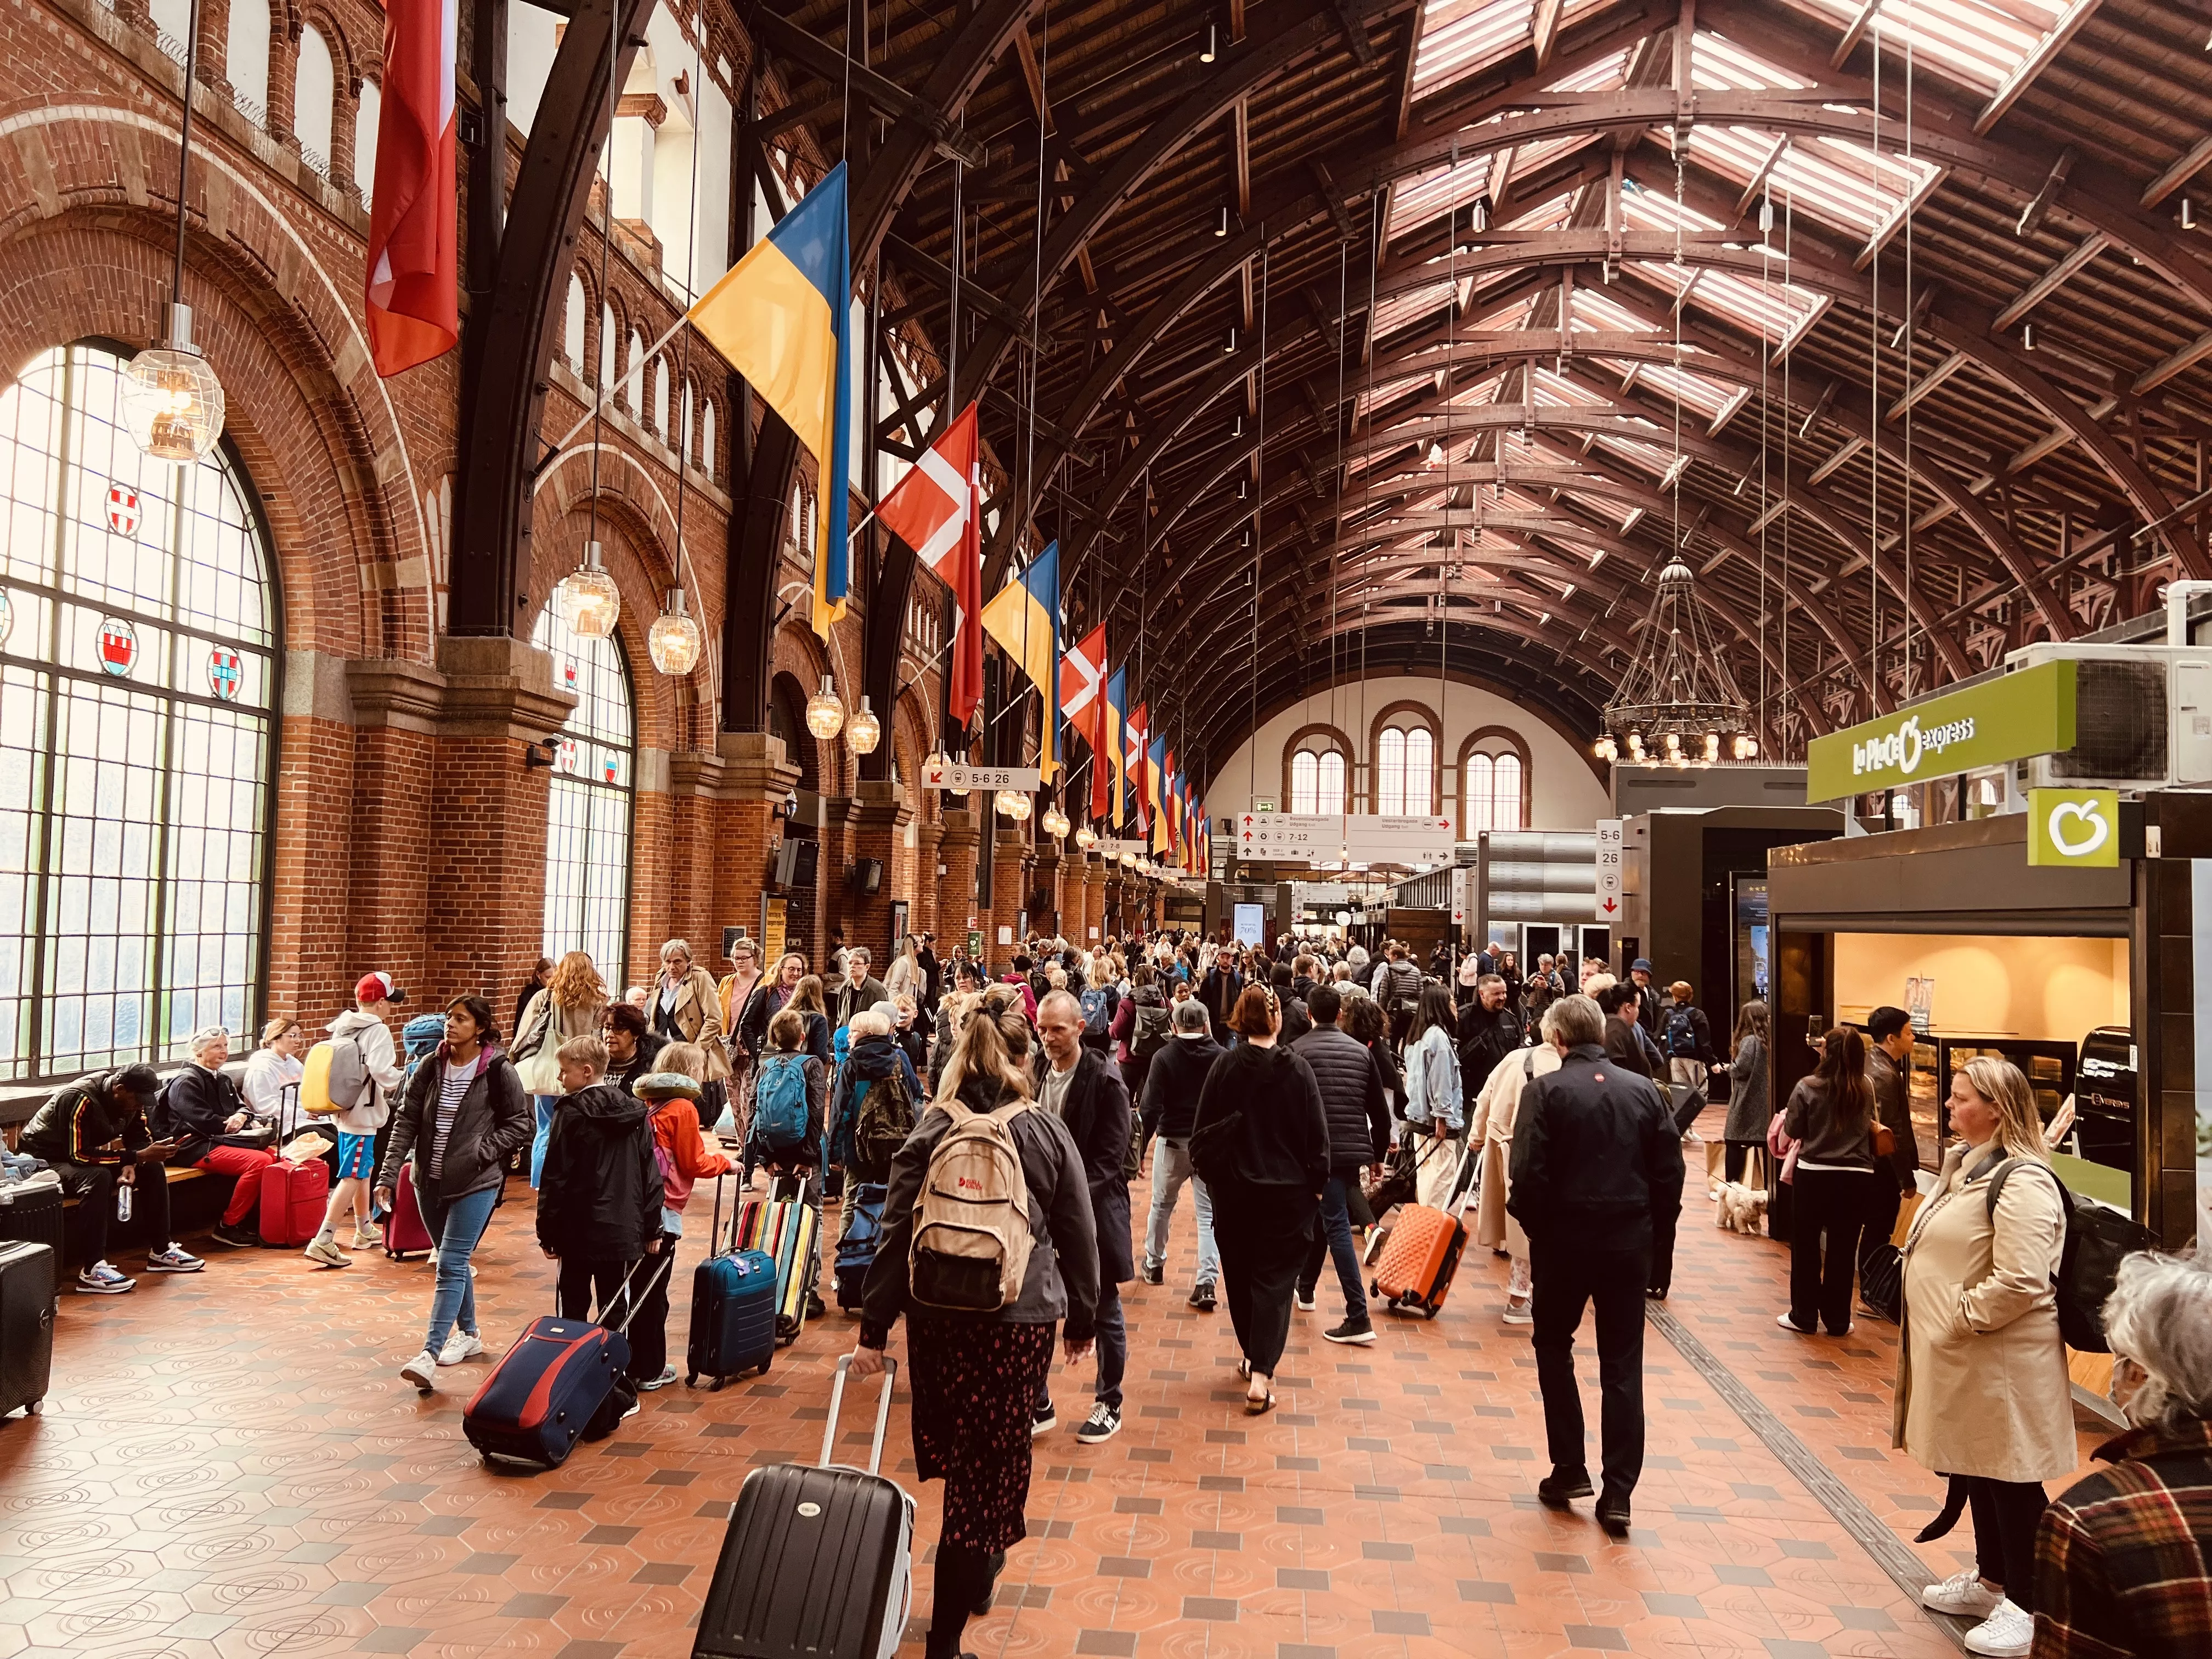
(2047, 1064)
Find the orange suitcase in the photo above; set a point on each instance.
(1415, 1273)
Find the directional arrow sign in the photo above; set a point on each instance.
(1609, 842)
(954, 774)
(1292, 838)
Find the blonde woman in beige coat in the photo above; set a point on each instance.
(686, 1007)
(1983, 1395)
(1491, 1128)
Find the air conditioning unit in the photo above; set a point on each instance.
(2143, 717)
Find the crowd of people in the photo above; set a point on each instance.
(1298, 1093)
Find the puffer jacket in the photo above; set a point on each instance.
(1172, 1083)
(495, 1122)
(599, 1199)
(1351, 1097)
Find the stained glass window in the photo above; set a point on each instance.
(137, 688)
(587, 813)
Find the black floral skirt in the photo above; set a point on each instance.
(975, 1384)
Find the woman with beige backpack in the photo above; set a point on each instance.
(570, 1006)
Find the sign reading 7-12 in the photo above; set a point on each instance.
(1609, 843)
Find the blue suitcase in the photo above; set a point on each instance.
(733, 1303)
(856, 1245)
(561, 1382)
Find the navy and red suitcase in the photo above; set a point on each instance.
(818, 1561)
(856, 1243)
(555, 1387)
(733, 1301)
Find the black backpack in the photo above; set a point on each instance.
(1681, 1034)
(2098, 1239)
(1151, 1035)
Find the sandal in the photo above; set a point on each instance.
(1259, 1408)
(1245, 1369)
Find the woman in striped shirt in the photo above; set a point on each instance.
(463, 1115)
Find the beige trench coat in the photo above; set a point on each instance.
(698, 1018)
(1492, 1128)
(1982, 1387)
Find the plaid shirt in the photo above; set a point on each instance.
(2123, 1558)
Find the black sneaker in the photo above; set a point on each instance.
(1304, 1299)
(984, 1602)
(1359, 1330)
(1102, 1426)
(815, 1307)
(1554, 1490)
(240, 1238)
(1155, 1276)
(1044, 1422)
(1202, 1296)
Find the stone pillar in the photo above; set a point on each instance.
(1074, 897)
(214, 57)
(283, 77)
(694, 781)
(959, 905)
(755, 777)
(1094, 898)
(928, 841)
(1010, 887)
(345, 113)
(880, 814)
(832, 896)
(485, 863)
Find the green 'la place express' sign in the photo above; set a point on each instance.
(2006, 719)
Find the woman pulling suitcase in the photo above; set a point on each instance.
(976, 1373)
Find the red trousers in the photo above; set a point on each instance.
(246, 1163)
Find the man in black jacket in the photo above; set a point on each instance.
(1083, 1089)
(94, 1133)
(1296, 1020)
(1488, 1031)
(1359, 1136)
(1170, 1107)
(1596, 1163)
(1889, 1046)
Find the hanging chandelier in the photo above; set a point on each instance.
(674, 640)
(1677, 703)
(587, 596)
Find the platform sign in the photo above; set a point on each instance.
(1294, 837)
(2075, 828)
(1609, 843)
(1385, 838)
(957, 775)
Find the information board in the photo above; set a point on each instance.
(1384, 838)
(1251, 924)
(1291, 837)
(1609, 843)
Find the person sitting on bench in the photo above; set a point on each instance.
(94, 1133)
(208, 1118)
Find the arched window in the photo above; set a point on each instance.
(246, 55)
(608, 332)
(707, 436)
(634, 393)
(1493, 771)
(1405, 764)
(1317, 773)
(684, 447)
(314, 97)
(587, 813)
(660, 403)
(138, 657)
(573, 345)
(364, 139)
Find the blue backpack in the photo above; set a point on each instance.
(781, 1113)
(1095, 1016)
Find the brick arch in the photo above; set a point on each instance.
(910, 731)
(345, 63)
(797, 652)
(311, 418)
(1345, 746)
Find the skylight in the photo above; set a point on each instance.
(1977, 42)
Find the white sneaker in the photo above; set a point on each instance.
(367, 1238)
(1305, 1302)
(461, 1344)
(421, 1370)
(324, 1253)
(175, 1259)
(1520, 1315)
(2009, 1632)
(104, 1278)
(1962, 1593)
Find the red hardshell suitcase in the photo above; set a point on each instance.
(292, 1199)
(1415, 1273)
(818, 1561)
(404, 1235)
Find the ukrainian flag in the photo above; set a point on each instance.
(1117, 702)
(1024, 619)
(779, 317)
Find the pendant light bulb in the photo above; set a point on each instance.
(825, 715)
(1213, 44)
(864, 731)
(1230, 350)
(172, 404)
(1086, 838)
(588, 598)
(1221, 226)
(674, 640)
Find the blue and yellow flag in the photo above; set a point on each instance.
(1024, 616)
(1117, 705)
(779, 317)
(1157, 801)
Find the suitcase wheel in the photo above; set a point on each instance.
(1374, 1287)
(32, 1408)
(691, 1379)
(1430, 1313)
(716, 1386)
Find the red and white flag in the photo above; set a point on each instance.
(1139, 759)
(414, 254)
(1083, 695)
(937, 511)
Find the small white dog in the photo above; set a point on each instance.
(1738, 1208)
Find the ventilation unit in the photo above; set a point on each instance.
(2143, 717)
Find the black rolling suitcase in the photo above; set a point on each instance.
(27, 1325)
(32, 1210)
(818, 1561)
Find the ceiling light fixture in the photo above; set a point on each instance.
(674, 639)
(587, 596)
(825, 715)
(1678, 685)
(1221, 225)
(1213, 44)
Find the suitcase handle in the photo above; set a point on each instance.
(882, 1412)
(659, 1259)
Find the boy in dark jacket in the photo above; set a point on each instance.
(598, 1197)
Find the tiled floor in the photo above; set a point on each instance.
(229, 1466)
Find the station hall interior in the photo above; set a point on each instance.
(588, 589)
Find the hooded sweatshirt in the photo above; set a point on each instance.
(599, 1199)
(870, 1060)
(374, 1038)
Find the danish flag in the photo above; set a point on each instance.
(1083, 691)
(414, 254)
(937, 511)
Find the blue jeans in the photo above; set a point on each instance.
(546, 1105)
(1335, 1239)
(457, 1226)
(1171, 1167)
(1112, 1333)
